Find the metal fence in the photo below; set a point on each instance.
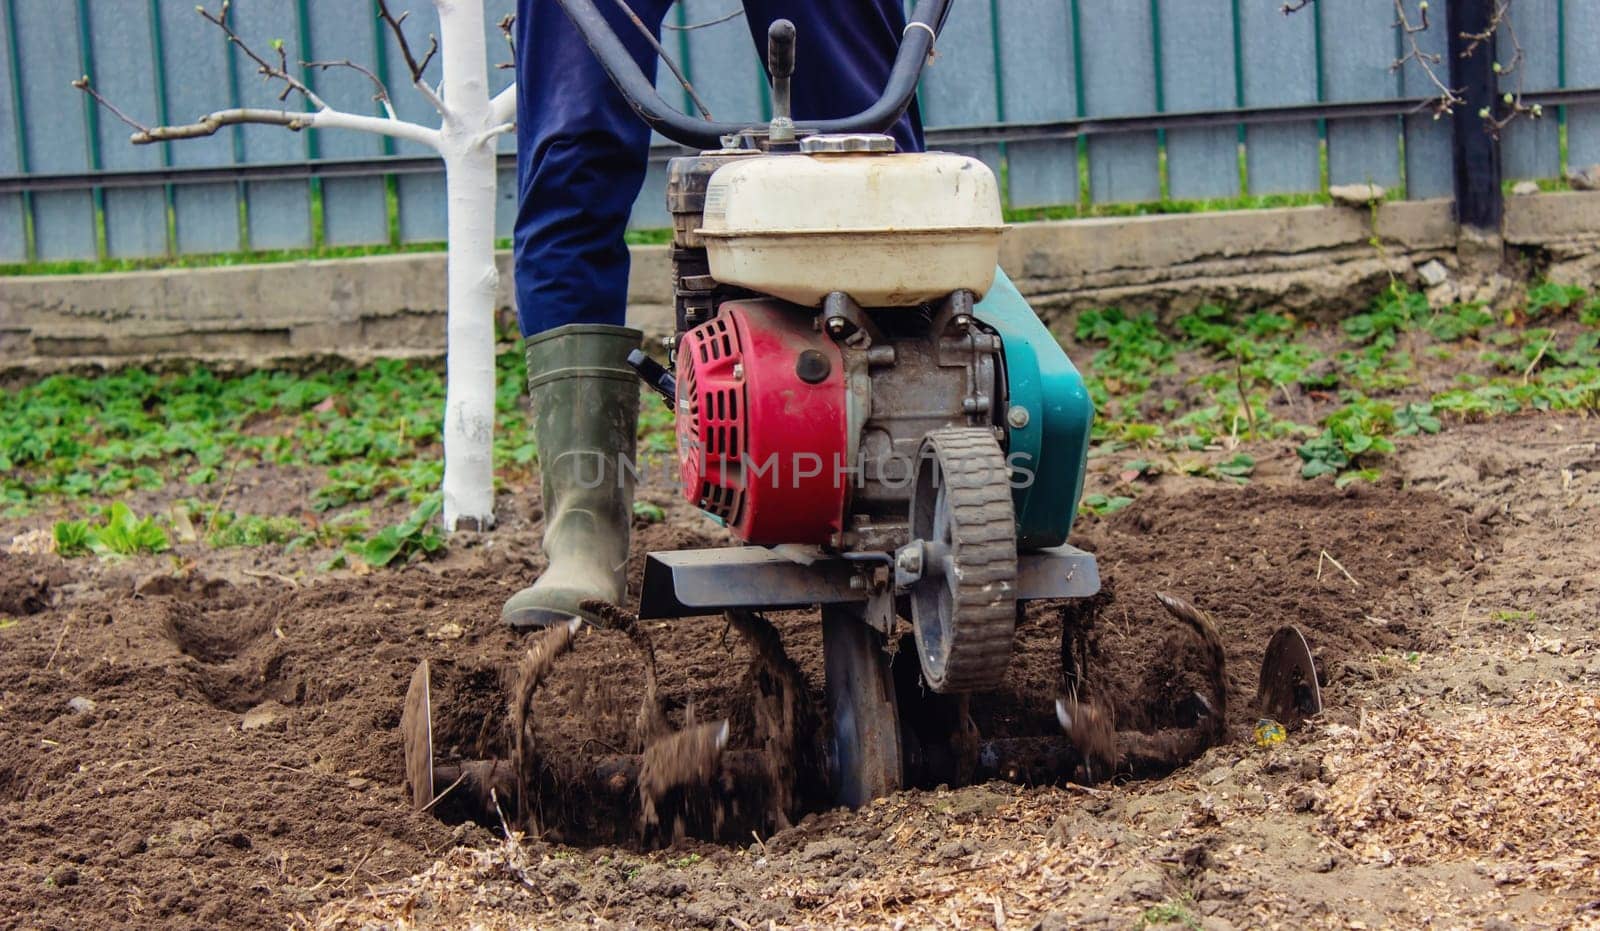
(1072, 101)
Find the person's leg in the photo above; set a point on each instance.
(843, 52)
(581, 155)
(581, 158)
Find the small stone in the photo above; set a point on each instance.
(1356, 195)
(1443, 295)
(1586, 180)
(1140, 884)
(1433, 273)
(1524, 188)
(1303, 798)
(1216, 776)
(447, 631)
(81, 705)
(33, 542)
(264, 715)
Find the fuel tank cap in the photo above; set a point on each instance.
(846, 143)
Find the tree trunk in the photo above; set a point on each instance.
(469, 157)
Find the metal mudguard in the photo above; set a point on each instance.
(689, 583)
(1054, 443)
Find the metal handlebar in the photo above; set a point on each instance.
(915, 45)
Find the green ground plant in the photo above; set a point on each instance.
(1241, 371)
(122, 534)
(417, 535)
(1182, 391)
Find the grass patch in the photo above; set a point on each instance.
(644, 237)
(1208, 379)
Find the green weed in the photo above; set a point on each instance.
(72, 538)
(1103, 505)
(415, 536)
(123, 534)
(1549, 296)
(1353, 433)
(1172, 911)
(230, 529)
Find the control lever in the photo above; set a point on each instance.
(655, 375)
(780, 62)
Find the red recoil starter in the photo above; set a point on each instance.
(762, 423)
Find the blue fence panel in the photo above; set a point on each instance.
(1430, 168)
(1279, 68)
(1004, 61)
(1582, 24)
(13, 229)
(122, 64)
(1531, 148)
(505, 208)
(960, 87)
(1039, 84)
(354, 210)
(198, 79)
(720, 60)
(53, 117)
(1119, 80)
(1197, 73)
(1357, 67)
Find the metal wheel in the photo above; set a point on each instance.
(964, 606)
(866, 760)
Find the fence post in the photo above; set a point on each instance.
(1479, 201)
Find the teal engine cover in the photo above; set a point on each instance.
(1049, 452)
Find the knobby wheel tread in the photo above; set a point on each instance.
(984, 546)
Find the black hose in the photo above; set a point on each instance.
(640, 92)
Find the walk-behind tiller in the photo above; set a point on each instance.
(860, 395)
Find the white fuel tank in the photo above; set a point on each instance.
(890, 230)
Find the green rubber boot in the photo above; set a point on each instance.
(586, 410)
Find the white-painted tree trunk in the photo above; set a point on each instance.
(467, 142)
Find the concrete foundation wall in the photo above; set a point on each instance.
(1313, 260)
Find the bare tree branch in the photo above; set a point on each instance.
(503, 106)
(1501, 25)
(737, 12)
(1448, 98)
(211, 122)
(405, 47)
(83, 85)
(322, 116)
(506, 23)
(265, 68)
(382, 93)
(671, 65)
(416, 68)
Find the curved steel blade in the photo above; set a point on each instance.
(1289, 692)
(416, 731)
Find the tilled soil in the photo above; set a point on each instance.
(235, 761)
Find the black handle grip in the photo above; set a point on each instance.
(654, 375)
(780, 48)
